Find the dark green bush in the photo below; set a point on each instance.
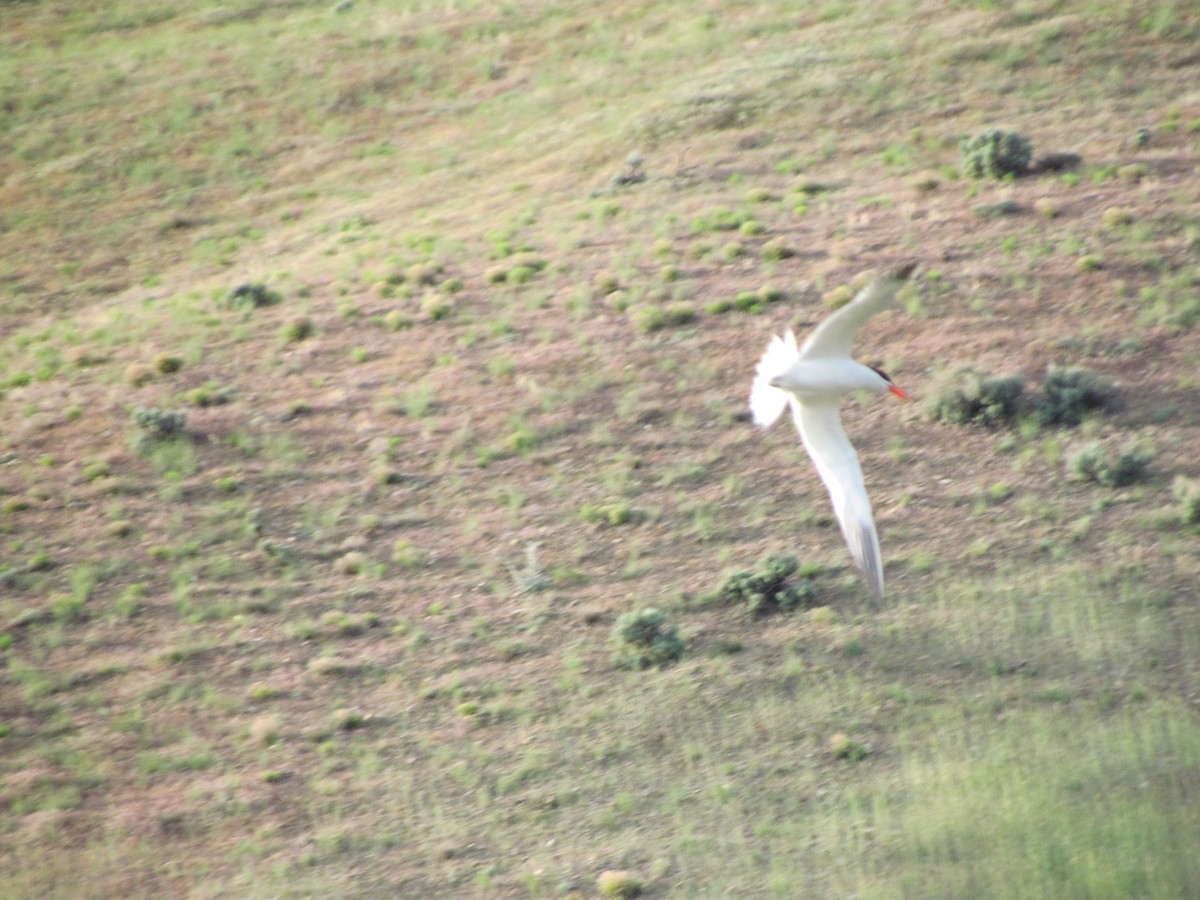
(1068, 394)
(769, 587)
(642, 641)
(968, 397)
(1093, 462)
(159, 424)
(995, 154)
(1187, 494)
(251, 296)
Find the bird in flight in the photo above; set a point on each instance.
(812, 380)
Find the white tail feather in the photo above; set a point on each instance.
(767, 403)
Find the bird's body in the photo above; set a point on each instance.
(811, 380)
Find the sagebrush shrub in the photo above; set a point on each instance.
(158, 424)
(768, 587)
(994, 154)
(1095, 462)
(1068, 394)
(642, 640)
(251, 296)
(1187, 493)
(971, 397)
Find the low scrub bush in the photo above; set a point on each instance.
(642, 640)
(969, 397)
(1069, 394)
(994, 154)
(1187, 495)
(251, 296)
(1111, 468)
(768, 587)
(158, 425)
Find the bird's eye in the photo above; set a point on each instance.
(882, 374)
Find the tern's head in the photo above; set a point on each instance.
(890, 385)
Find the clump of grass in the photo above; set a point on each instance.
(648, 318)
(769, 587)
(1068, 394)
(298, 329)
(1187, 494)
(1175, 300)
(330, 666)
(615, 513)
(436, 306)
(605, 282)
(423, 273)
(970, 397)
(619, 884)
(842, 746)
(407, 555)
(251, 296)
(1095, 462)
(138, 374)
(642, 640)
(211, 393)
(777, 249)
(157, 426)
(531, 577)
(396, 320)
(167, 364)
(97, 469)
(519, 269)
(348, 719)
(352, 563)
(995, 154)
(264, 729)
(340, 623)
(1118, 216)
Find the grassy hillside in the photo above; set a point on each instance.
(362, 365)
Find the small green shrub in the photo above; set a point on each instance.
(211, 393)
(396, 320)
(167, 364)
(642, 641)
(618, 884)
(352, 563)
(994, 154)
(251, 296)
(842, 746)
(1093, 462)
(298, 329)
(138, 374)
(768, 587)
(1068, 394)
(648, 318)
(436, 306)
(158, 425)
(422, 273)
(407, 555)
(1187, 495)
(747, 301)
(618, 512)
(969, 397)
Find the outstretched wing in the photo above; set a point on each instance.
(820, 427)
(767, 402)
(832, 338)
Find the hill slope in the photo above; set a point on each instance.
(463, 381)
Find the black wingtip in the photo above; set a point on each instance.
(902, 273)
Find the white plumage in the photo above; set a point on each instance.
(812, 379)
